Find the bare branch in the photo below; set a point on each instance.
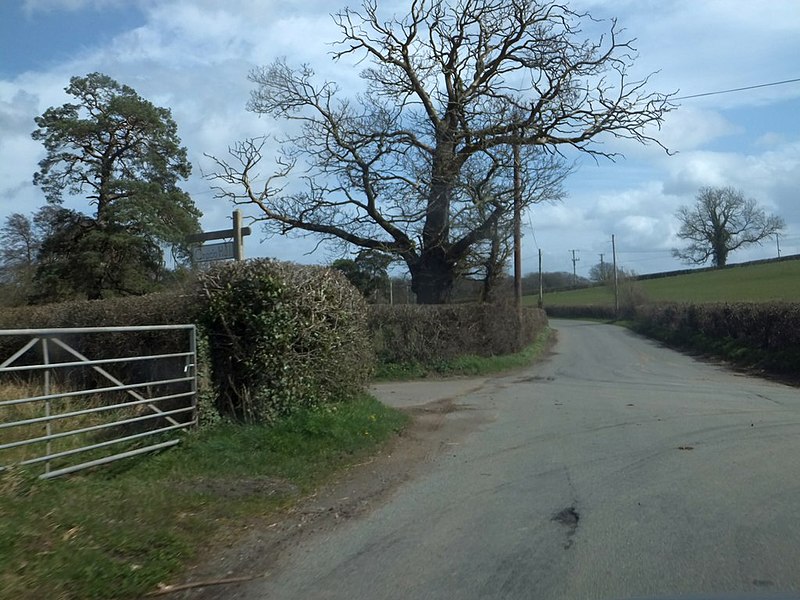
(444, 83)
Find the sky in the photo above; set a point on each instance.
(193, 57)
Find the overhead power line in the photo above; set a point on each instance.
(739, 89)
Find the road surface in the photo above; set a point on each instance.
(614, 469)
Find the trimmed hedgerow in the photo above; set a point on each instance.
(283, 336)
(764, 335)
(581, 311)
(430, 334)
(153, 309)
(275, 336)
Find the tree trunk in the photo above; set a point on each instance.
(433, 273)
(432, 277)
(720, 253)
(493, 266)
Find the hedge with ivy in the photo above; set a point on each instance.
(276, 336)
(282, 336)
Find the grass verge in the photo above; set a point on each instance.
(119, 531)
(467, 365)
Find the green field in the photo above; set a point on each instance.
(750, 283)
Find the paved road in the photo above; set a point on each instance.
(615, 469)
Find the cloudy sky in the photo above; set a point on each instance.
(193, 56)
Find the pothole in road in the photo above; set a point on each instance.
(685, 447)
(568, 517)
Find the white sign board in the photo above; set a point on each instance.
(212, 252)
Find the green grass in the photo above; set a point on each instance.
(60, 406)
(468, 365)
(751, 283)
(119, 531)
(600, 296)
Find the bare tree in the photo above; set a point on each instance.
(19, 244)
(541, 178)
(721, 221)
(603, 272)
(444, 84)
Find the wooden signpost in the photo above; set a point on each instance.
(224, 250)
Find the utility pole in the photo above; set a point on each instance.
(517, 234)
(541, 281)
(616, 278)
(602, 266)
(574, 271)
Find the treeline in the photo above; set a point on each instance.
(122, 154)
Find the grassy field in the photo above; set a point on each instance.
(751, 283)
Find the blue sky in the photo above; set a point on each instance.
(193, 56)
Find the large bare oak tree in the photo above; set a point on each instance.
(721, 221)
(448, 87)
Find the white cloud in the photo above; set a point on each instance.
(688, 128)
(756, 174)
(770, 139)
(193, 56)
(35, 6)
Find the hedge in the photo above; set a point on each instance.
(277, 335)
(282, 336)
(764, 335)
(587, 311)
(429, 334)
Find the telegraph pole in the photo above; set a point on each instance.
(517, 233)
(574, 271)
(616, 279)
(541, 286)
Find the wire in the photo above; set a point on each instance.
(740, 89)
(533, 231)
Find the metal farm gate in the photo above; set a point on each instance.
(70, 412)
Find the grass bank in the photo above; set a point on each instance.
(467, 365)
(120, 531)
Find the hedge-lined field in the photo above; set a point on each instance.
(769, 282)
(273, 336)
